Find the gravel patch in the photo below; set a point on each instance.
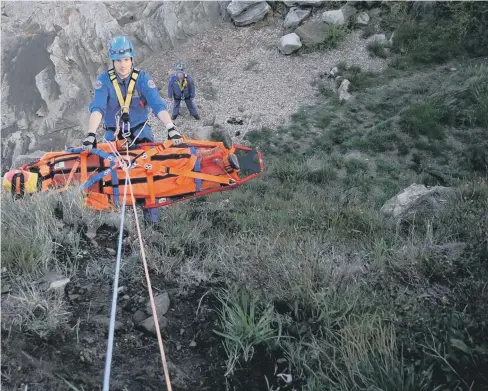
(239, 72)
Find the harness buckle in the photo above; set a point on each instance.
(125, 117)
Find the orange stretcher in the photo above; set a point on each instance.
(160, 173)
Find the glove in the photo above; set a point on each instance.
(174, 135)
(89, 142)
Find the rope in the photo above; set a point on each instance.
(127, 167)
(149, 287)
(108, 359)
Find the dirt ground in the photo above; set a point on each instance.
(240, 73)
(195, 354)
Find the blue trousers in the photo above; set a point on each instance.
(151, 214)
(189, 103)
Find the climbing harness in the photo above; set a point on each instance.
(124, 104)
(182, 85)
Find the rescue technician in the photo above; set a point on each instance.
(123, 95)
(182, 87)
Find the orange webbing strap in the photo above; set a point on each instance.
(150, 187)
(84, 172)
(150, 181)
(198, 175)
(70, 177)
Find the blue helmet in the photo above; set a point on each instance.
(180, 67)
(120, 47)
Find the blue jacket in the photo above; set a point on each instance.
(105, 99)
(174, 90)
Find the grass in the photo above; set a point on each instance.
(244, 325)
(377, 49)
(40, 234)
(333, 37)
(34, 312)
(374, 326)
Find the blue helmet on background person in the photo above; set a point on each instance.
(180, 67)
(120, 47)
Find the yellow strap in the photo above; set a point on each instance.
(185, 84)
(130, 89)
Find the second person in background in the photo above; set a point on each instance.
(182, 87)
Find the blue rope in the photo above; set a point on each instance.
(108, 360)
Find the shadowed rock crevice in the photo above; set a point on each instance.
(23, 63)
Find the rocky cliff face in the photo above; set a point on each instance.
(52, 51)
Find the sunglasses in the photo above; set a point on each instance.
(121, 51)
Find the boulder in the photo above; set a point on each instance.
(139, 317)
(334, 17)
(379, 38)
(161, 302)
(204, 133)
(415, 198)
(304, 3)
(362, 19)
(52, 280)
(294, 17)
(290, 43)
(237, 7)
(24, 159)
(252, 14)
(344, 90)
(312, 33)
(339, 17)
(149, 325)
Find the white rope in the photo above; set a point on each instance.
(108, 358)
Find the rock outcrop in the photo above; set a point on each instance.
(244, 13)
(52, 52)
(295, 16)
(416, 198)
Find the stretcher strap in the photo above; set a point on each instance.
(150, 180)
(70, 177)
(197, 168)
(84, 171)
(198, 175)
(115, 184)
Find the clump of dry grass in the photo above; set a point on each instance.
(33, 311)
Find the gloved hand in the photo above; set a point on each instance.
(174, 135)
(89, 142)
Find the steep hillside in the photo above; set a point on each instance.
(357, 262)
